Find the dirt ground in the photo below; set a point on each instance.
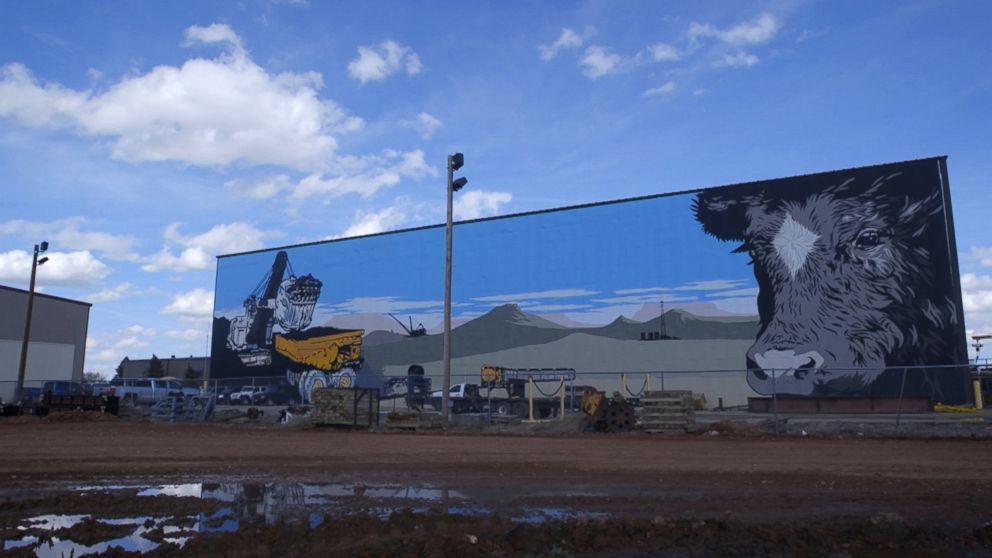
(629, 495)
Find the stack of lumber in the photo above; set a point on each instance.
(668, 411)
(415, 421)
(345, 407)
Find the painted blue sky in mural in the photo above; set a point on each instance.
(586, 265)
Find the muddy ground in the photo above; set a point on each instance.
(273, 491)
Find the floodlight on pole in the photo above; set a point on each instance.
(455, 162)
(35, 262)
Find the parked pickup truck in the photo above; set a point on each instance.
(147, 391)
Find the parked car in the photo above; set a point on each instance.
(223, 394)
(63, 387)
(251, 395)
(271, 394)
(147, 391)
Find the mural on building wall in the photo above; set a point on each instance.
(856, 277)
(833, 281)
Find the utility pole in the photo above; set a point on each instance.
(19, 390)
(455, 162)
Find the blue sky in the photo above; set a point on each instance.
(143, 139)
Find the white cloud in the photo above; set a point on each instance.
(383, 305)
(377, 62)
(365, 175)
(599, 61)
(210, 112)
(976, 293)
(644, 299)
(641, 290)
(668, 87)
(740, 59)
(698, 92)
(66, 233)
(479, 203)
(105, 353)
(662, 52)
(263, 188)
(216, 33)
(566, 40)
(536, 295)
(980, 255)
(754, 32)
(113, 293)
(971, 282)
(734, 293)
(197, 304)
(198, 252)
(371, 223)
(71, 269)
(425, 124)
(187, 334)
(712, 285)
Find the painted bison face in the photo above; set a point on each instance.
(839, 272)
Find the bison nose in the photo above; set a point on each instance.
(788, 362)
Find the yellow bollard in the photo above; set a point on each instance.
(976, 385)
(623, 385)
(561, 398)
(530, 396)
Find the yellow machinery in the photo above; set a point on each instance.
(604, 414)
(325, 352)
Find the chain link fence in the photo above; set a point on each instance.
(772, 393)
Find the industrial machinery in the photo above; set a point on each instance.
(318, 357)
(604, 414)
(411, 331)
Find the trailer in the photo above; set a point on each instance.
(516, 390)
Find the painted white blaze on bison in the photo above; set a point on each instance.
(854, 280)
(793, 243)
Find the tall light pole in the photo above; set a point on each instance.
(455, 162)
(38, 249)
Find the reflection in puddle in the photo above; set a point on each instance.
(242, 503)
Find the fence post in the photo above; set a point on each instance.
(662, 381)
(902, 387)
(530, 396)
(775, 401)
(649, 383)
(623, 384)
(561, 398)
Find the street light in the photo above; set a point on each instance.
(38, 249)
(455, 162)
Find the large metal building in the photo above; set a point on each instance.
(837, 284)
(57, 348)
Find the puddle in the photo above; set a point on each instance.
(241, 503)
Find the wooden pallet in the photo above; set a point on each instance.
(668, 411)
(345, 407)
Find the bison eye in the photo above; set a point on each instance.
(868, 238)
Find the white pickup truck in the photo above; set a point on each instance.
(147, 391)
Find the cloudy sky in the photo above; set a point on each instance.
(143, 139)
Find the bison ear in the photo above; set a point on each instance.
(724, 216)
